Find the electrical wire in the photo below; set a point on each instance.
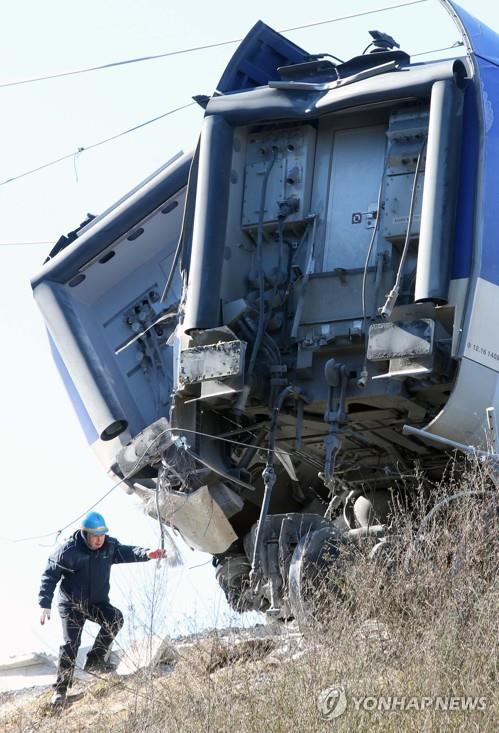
(155, 119)
(160, 522)
(58, 532)
(305, 457)
(20, 244)
(354, 15)
(199, 565)
(269, 476)
(192, 49)
(97, 144)
(363, 377)
(319, 56)
(391, 298)
(219, 471)
(234, 442)
(457, 44)
(191, 179)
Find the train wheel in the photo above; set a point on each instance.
(311, 575)
(233, 577)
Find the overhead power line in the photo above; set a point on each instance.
(20, 244)
(192, 49)
(58, 532)
(148, 122)
(353, 15)
(95, 145)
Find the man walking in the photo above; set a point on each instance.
(83, 565)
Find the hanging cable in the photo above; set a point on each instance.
(219, 471)
(155, 119)
(192, 49)
(353, 15)
(97, 144)
(362, 381)
(22, 244)
(391, 299)
(457, 44)
(191, 179)
(228, 440)
(58, 532)
(302, 455)
(269, 477)
(160, 522)
(200, 565)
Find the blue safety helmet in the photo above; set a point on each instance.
(94, 523)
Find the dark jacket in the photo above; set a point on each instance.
(84, 573)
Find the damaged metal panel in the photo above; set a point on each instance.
(267, 104)
(200, 363)
(199, 519)
(402, 339)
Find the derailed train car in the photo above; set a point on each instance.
(246, 333)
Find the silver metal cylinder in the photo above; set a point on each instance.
(438, 211)
(202, 306)
(86, 373)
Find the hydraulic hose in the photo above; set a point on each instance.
(269, 476)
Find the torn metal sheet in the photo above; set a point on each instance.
(224, 359)
(199, 519)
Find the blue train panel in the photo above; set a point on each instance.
(484, 45)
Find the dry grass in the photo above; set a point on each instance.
(420, 621)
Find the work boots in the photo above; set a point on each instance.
(98, 664)
(58, 699)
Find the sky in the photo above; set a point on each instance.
(49, 474)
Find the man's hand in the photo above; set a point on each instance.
(45, 615)
(156, 554)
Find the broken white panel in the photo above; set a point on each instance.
(30, 659)
(26, 670)
(35, 670)
(199, 519)
(36, 675)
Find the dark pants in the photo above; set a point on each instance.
(109, 618)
